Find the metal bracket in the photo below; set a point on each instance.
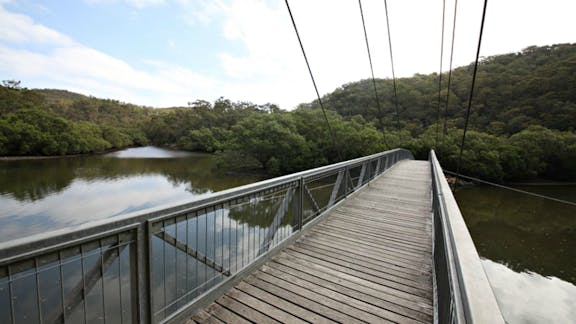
(191, 252)
(273, 228)
(336, 188)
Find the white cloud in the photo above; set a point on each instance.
(138, 4)
(528, 297)
(201, 12)
(145, 3)
(19, 28)
(89, 71)
(270, 68)
(67, 64)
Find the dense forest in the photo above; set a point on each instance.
(522, 124)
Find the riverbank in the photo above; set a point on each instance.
(47, 157)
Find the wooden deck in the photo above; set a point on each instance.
(369, 260)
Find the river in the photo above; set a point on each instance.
(528, 249)
(48, 194)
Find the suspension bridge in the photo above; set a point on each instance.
(375, 239)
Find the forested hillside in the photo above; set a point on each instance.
(536, 86)
(58, 122)
(522, 125)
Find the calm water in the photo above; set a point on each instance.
(528, 246)
(42, 195)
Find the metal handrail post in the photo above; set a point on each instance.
(346, 176)
(143, 271)
(300, 203)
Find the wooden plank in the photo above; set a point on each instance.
(245, 311)
(382, 231)
(369, 220)
(382, 218)
(380, 255)
(403, 273)
(363, 221)
(402, 201)
(225, 315)
(310, 304)
(349, 208)
(332, 300)
(203, 317)
(377, 215)
(263, 307)
(352, 307)
(393, 202)
(379, 212)
(398, 248)
(383, 226)
(397, 185)
(372, 276)
(283, 304)
(382, 235)
(379, 271)
(383, 240)
(397, 264)
(367, 245)
(360, 292)
(412, 301)
(382, 308)
(363, 200)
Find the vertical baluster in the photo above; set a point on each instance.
(38, 299)
(187, 258)
(60, 265)
(102, 280)
(119, 251)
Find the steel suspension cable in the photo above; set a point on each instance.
(510, 188)
(449, 85)
(392, 63)
(472, 87)
(440, 74)
(373, 79)
(331, 132)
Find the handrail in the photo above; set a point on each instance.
(150, 266)
(463, 290)
(19, 246)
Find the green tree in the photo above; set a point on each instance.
(272, 140)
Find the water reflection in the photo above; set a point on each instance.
(41, 195)
(527, 297)
(535, 239)
(524, 232)
(149, 152)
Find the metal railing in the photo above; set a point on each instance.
(149, 267)
(463, 292)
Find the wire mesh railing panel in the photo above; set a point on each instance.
(322, 192)
(354, 174)
(90, 282)
(193, 253)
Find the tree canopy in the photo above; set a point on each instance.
(522, 125)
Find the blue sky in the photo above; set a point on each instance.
(169, 52)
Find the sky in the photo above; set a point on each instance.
(163, 53)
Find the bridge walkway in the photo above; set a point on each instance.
(368, 260)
